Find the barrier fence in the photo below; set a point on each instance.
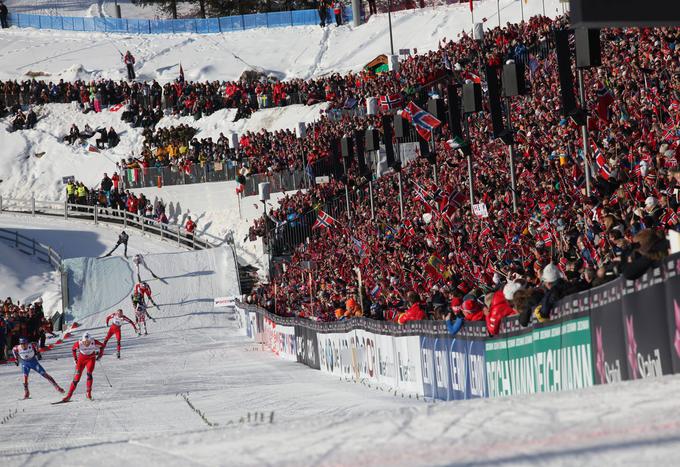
(174, 26)
(98, 214)
(620, 331)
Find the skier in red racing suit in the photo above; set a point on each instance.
(85, 352)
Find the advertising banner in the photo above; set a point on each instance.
(281, 340)
(307, 346)
(607, 334)
(672, 286)
(453, 368)
(563, 356)
(646, 327)
(545, 359)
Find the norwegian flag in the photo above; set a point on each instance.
(390, 101)
(670, 218)
(423, 196)
(602, 167)
(409, 229)
(670, 133)
(547, 238)
(323, 221)
(424, 122)
(359, 247)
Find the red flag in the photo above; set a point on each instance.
(470, 5)
(390, 101)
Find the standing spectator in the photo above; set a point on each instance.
(337, 11)
(323, 12)
(190, 226)
(130, 64)
(372, 9)
(3, 15)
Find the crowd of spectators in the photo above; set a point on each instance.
(22, 320)
(440, 261)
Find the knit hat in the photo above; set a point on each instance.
(550, 274)
(470, 306)
(510, 289)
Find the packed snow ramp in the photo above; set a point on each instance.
(189, 282)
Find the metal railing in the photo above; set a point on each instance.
(103, 215)
(285, 180)
(31, 247)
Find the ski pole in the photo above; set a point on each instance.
(107, 378)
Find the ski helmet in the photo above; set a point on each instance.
(23, 340)
(86, 337)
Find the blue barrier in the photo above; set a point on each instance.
(275, 19)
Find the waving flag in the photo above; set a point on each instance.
(323, 220)
(359, 247)
(423, 196)
(390, 101)
(181, 74)
(602, 167)
(423, 121)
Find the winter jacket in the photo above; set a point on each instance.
(499, 309)
(415, 313)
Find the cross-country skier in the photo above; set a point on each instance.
(85, 352)
(122, 240)
(138, 261)
(140, 291)
(27, 354)
(141, 314)
(117, 319)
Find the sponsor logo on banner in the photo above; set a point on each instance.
(547, 359)
(221, 302)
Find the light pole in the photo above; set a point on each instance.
(389, 20)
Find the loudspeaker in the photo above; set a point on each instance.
(514, 83)
(436, 108)
(359, 137)
(494, 101)
(233, 140)
(301, 129)
(387, 139)
(264, 190)
(454, 111)
(425, 150)
(478, 32)
(564, 67)
(372, 140)
(400, 126)
(338, 166)
(347, 146)
(472, 98)
(371, 106)
(588, 52)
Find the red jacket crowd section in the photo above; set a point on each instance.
(440, 259)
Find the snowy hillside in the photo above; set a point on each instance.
(21, 173)
(294, 52)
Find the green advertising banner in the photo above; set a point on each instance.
(553, 358)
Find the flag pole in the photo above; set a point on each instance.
(584, 130)
(498, 8)
(521, 5)
(370, 192)
(401, 197)
(434, 165)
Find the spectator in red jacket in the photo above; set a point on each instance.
(415, 312)
(500, 307)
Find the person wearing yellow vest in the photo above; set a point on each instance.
(81, 194)
(71, 192)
